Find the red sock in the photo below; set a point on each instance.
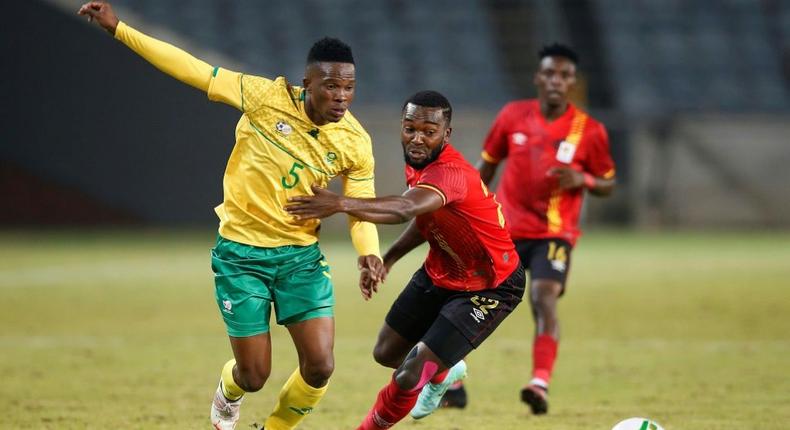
(392, 404)
(544, 353)
(439, 377)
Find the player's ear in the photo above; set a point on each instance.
(447, 134)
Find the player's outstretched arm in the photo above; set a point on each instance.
(102, 13)
(379, 210)
(164, 56)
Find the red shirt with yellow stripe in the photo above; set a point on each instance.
(470, 247)
(533, 204)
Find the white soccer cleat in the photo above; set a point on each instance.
(224, 412)
(431, 394)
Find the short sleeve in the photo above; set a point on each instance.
(495, 146)
(449, 181)
(599, 161)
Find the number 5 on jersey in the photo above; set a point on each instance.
(293, 178)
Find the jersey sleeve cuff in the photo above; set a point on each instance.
(488, 157)
(434, 189)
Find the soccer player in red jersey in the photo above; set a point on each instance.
(555, 153)
(471, 280)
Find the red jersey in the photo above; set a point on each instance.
(533, 204)
(470, 248)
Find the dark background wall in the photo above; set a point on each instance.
(91, 134)
(80, 114)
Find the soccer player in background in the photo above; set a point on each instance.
(470, 281)
(556, 153)
(288, 138)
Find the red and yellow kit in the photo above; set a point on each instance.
(470, 247)
(533, 204)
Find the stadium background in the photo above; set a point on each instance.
(105, 160)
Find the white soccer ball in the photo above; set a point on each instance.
(637, 424)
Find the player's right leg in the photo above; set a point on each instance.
(244, 299)
(246, 373)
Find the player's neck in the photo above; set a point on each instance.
(311, 113)
(552, 112)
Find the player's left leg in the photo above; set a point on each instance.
(314, 340)
(549, 268)
(397, 398)
(466, 320)
(304, 303)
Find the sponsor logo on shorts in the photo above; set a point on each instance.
(482, 306)
(558, 265)
(227, 305)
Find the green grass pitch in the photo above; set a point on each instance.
(120, 330)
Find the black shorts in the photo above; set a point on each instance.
(545, 258)
(453, 323)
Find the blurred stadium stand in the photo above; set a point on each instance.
(695, 95)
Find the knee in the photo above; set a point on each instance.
(384, 357)
(544, 293)
(252, 378)
(316, 373)
(415, 375)
(406, 378)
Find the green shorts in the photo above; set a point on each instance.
(249, 279)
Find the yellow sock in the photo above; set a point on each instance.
(297, 399)
(230, 388)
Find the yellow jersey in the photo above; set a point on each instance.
(279, 152)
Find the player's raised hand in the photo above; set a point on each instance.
(102, 13)
(371, 273)
(321, 204)
(567, 177)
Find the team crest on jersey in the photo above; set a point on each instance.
(565, 152)
(284, 128)
(331, 157)
(519, 138)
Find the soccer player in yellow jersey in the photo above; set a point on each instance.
(288, 138)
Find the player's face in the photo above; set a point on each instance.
(330, 88)
(554, 79)
(423, 134)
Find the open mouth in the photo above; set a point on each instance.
(338, 112)
(416, 154)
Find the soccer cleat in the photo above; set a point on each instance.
(536, 397)
(224, 412)
(455, 397)
(431, 394)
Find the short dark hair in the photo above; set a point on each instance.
(429, 98)
(331, 50)
(559, 50)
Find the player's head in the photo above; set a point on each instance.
(556, 73)
(329, 80)
(425, 127)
